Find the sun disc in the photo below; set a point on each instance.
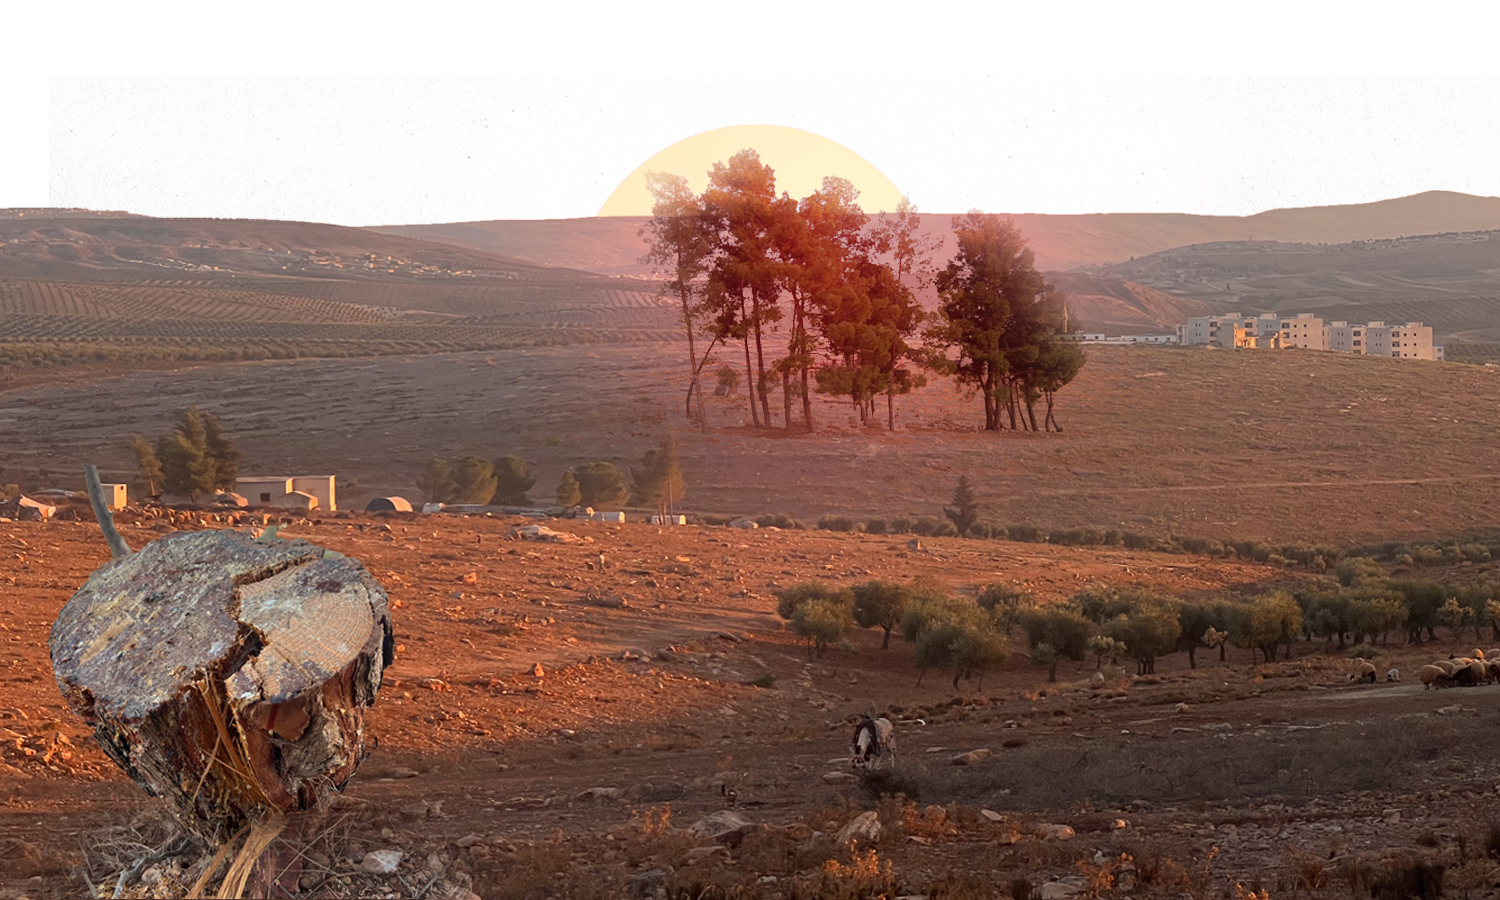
(799, 158)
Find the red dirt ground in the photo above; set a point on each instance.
(650, 696)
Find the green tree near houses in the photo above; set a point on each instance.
(657, 482)
(436, 483)
(513, 479)
(474, 480)
(600, 484)
(568, 493)
(196, 458)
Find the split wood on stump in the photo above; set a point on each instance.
(225, 674)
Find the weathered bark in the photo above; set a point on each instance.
(227, 675)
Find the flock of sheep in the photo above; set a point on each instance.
(1462, 671)
(1480, 667)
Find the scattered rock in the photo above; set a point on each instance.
(1119, 824)
(468, 841)
(1181, 707)
(381, 862)
(723, 827)
(840, 778)
(1054, 832)
(863, 827)
(989, 815)
(536, 670)
(1063, 888)
(972, 757)
(647, 885)
(596, 794)
(400, 772)
(698, 854)
(543, 533)
(914, 544)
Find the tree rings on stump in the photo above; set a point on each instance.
(227, 675)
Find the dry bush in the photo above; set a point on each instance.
(1395, 875)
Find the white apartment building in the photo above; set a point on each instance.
(1304, 331)
(1410, 341)
(1346, 338)
(1220, 331)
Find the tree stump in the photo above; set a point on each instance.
(225, 674)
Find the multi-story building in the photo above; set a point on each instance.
(1346, 338)
(1410, 341)
(1304, 331)
(1220, 331)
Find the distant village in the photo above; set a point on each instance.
(1303, 331)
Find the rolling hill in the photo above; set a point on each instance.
(612, 245)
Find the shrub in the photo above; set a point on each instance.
(925, 526)
(777, 520)
(838, 523)
(1027, 534)
(875, 526)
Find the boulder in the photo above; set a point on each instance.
(972, 757)
(1054, 832)
(863, 827)
(724, 827)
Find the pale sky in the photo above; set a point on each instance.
(1070, 108)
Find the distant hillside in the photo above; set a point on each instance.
(1449, 281)
(1117, 306)
(612, 246)
(131, 290)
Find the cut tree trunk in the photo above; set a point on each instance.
(226, 675)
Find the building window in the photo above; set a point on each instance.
(265, 498)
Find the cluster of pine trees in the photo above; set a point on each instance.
(744, 262)
(196, 458)
(656, 483)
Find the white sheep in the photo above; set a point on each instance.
(1393, 674)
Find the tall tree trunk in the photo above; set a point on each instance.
(1031, 412)
(760, 382)
(786, 399)
(750, 383)
(687, 324)
(807, 401)
(890, 408)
